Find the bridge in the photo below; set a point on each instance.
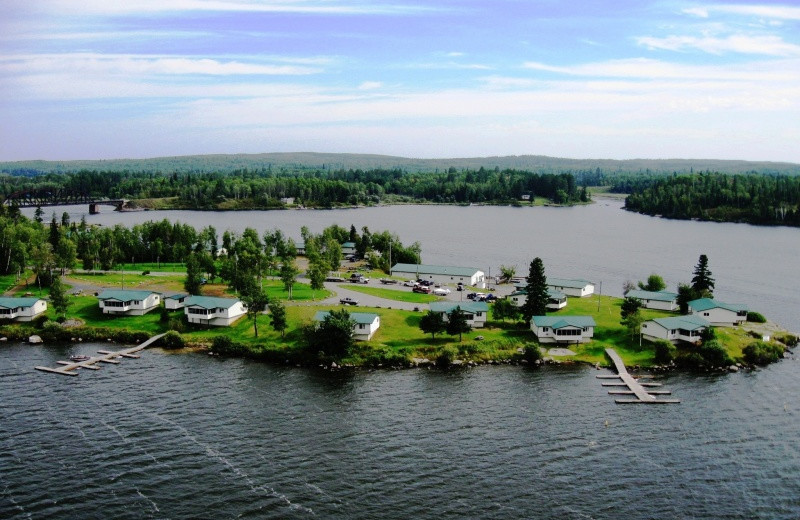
(50, 196)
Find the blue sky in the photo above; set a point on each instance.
(98, 79)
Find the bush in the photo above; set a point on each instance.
(790, 340)
(665, 352)
(145, 273)
(164, 315)
(225, 345)
(762, 353)
(714, 354)
(172, 340)
(532, 353)
(756, 317)
(446, 356)
(177, 324)
(39, 321)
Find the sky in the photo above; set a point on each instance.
(621, 79)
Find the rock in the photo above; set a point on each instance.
(457, 362)
(4, 338)
(334, 365)
(34, 340)
(478, 338)
(733, 368)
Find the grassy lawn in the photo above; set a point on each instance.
(163, 267)
(132, 280)
(391, 294)
(7, 281)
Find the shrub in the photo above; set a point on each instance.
(172, 340)
(39, 321)
(756, 317)
(145, 273)
(446, 356)
(164, 315)
(754, 334)
(665, 352)
(532, 353)
(762, 353)
(790, 340)
(225, 345)
(177, 324)
(714, 354)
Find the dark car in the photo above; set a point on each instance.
(348, 301)
(421, 289)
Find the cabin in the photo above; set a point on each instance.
(287, 201)
(300, 248)
(571, 287)
(175, 301)
(365, 326)
(128, 303)
(21, 309)
(717, 312)
(661, 300)
(555, 299)
(475, 312)
(348, 248)
(441, 274)
(207, 310)
(563, 329)
(688, 329)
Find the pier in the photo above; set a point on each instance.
(634, 387)
(70, 368)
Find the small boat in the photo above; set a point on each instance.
(79, 357)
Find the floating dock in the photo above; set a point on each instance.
(635, 388)
(70, 368)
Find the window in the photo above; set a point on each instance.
(706, 314)
(361, 326)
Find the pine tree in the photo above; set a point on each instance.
(457, 323)
(702, 281)
(536, 300)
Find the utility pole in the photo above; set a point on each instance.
(598, 295)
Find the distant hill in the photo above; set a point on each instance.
(309, 160)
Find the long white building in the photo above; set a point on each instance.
(442, 274)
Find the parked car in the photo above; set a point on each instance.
(441, 291)
(388, 281)
(409, 283)
(477, 296)
(490, 298)
(348, 301)
(421, 289)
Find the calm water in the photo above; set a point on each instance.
(757, 266)
(188, 436)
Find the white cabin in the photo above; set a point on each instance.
(718, 313)
(207, 310)
(175, 301)
(128, 303)
(563, 329)
(21, 309)
(675, 329)
(365, 326)
(661, 300)
(571, 287)
(475, 312)
(441, 274)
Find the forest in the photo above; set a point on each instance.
(757, 199)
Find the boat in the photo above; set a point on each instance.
(79, 357)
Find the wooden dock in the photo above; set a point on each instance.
(70, 368)
(635, 388)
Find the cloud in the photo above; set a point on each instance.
(775, 12)
(765, 45)
(370, 85)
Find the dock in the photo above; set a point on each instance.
(635, 388)
(70, 368)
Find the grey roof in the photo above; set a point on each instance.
(471, 307)
(176, 296)
(683, 322)
(13, 303)
(436, 269)
(704, 304)
(661, 296)
(552, 293)
(559, 322)
(210, 302)
(361, 318)
(576, 283)
(124, 296)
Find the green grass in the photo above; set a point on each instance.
(131, 280)
(163, 267)
(391, 294)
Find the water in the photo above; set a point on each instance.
(188, 436)
(757, 266)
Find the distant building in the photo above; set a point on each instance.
(441, 274)
(288, 201)
(475, 312)
(525, 197)
(563, 329)
(21, 309)
(662, 300)
(128, 303)
(571, 287)
(675, 329)
(717, 312)
(555, 299)
(175, 301)
(366, 323)
(207, 310)
(348, 248)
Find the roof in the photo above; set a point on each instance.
(13, 303)
(471, 307)
(349, 244)
(124, 296)
(552, 293)
(176, 296)
(661, 296)
(704, 304)
(577, 283)
(210, 302)
(683, 322)
(361, 318)
(436, 269)
(559, 322)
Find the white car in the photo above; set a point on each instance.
(409, 283)
(441, 291)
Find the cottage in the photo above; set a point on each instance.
(348, 248)
(287, 201)
(175, 301)
(21, 309)
(128, 303)
(718, 313)
(365, 326)
(571, 287)
(475, 312)
(207, 310)
(662, 300)
(563, 329)
(300, 248)
(441, 274)
(555, 299)
(679, 328)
